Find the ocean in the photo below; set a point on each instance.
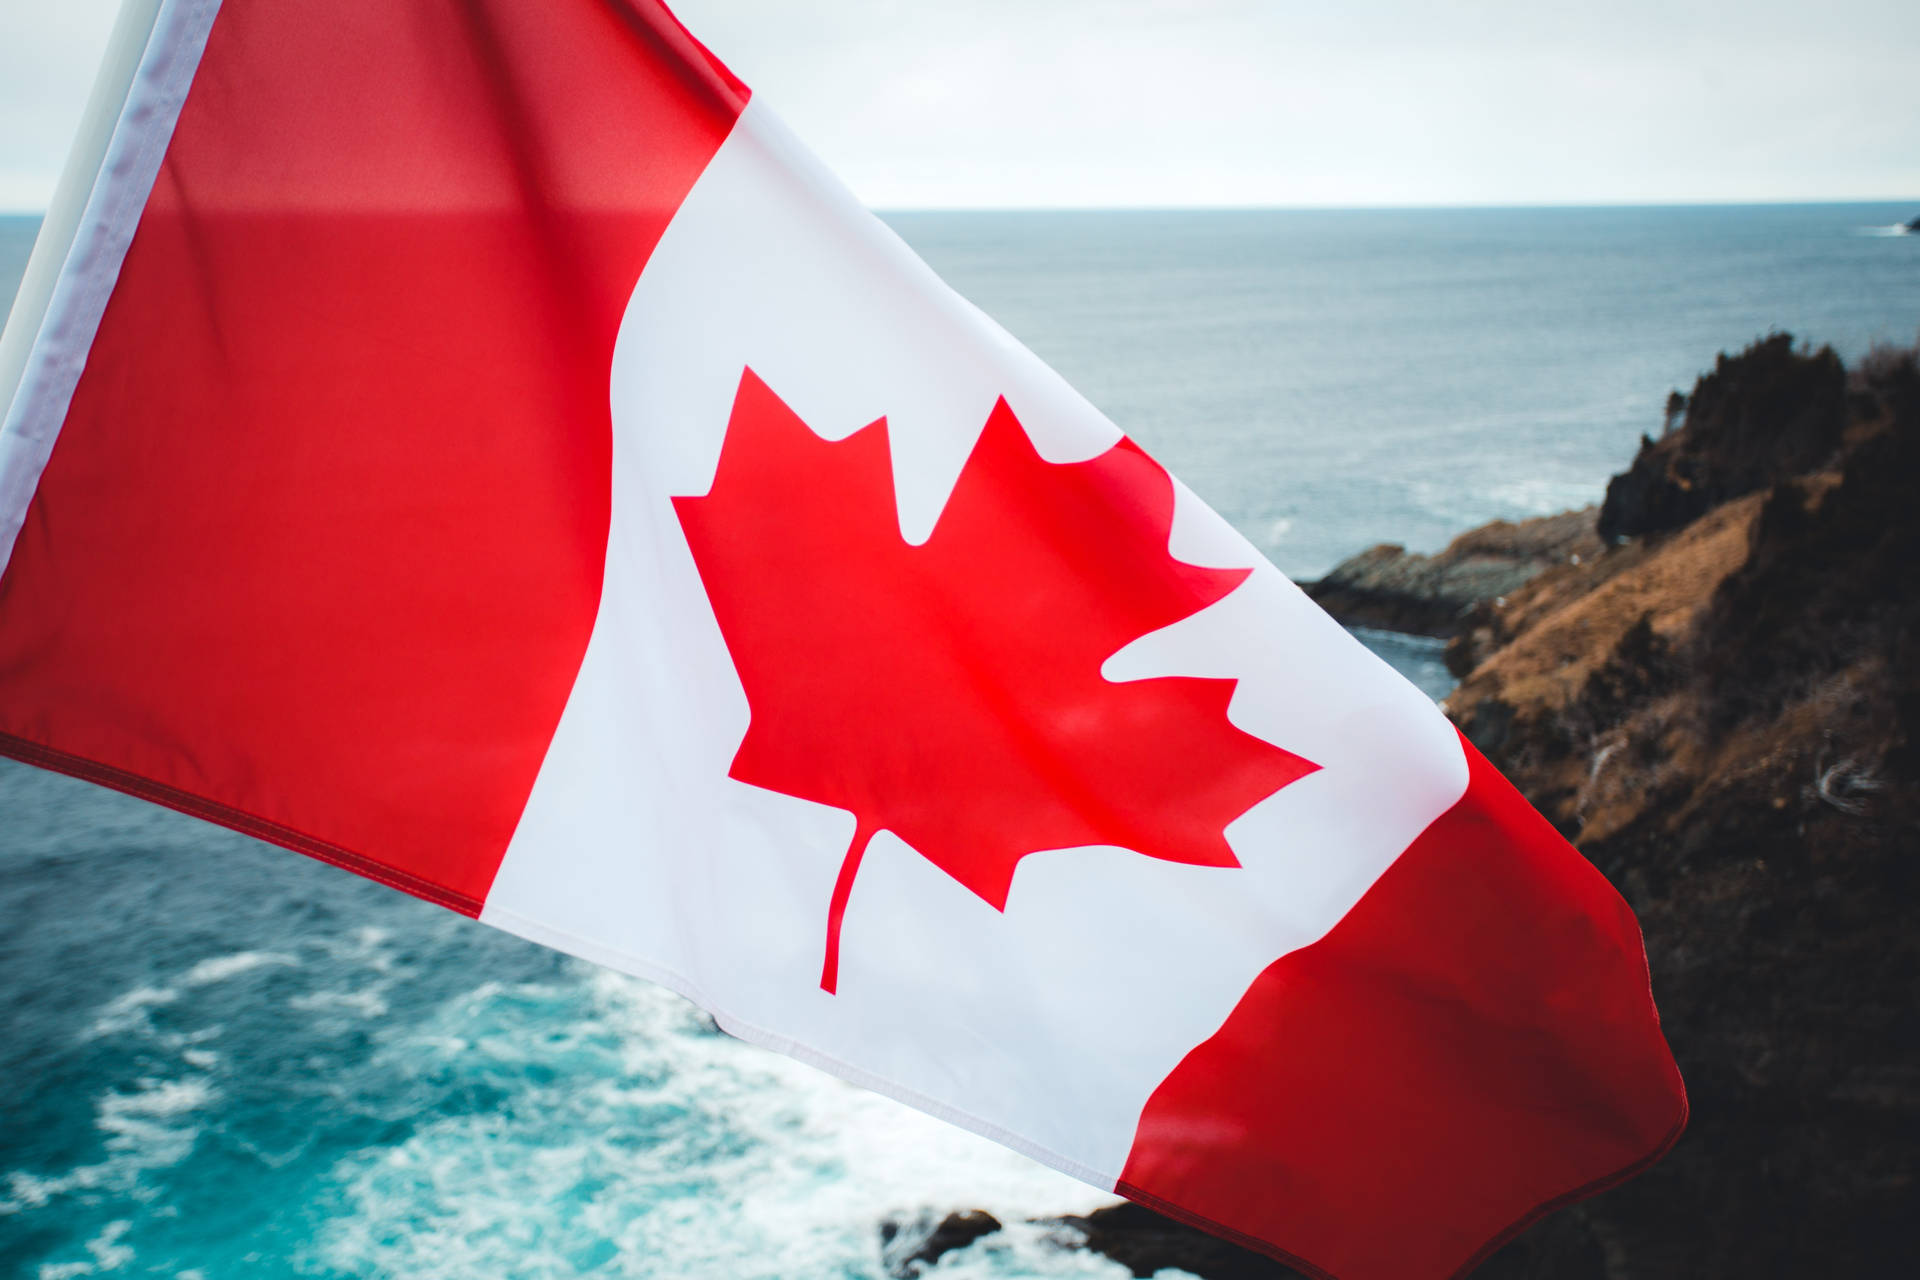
(223, 1059)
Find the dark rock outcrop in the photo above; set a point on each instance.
(908, 1246)
(1146, 1242)
(1396, 590)
(1761, 416)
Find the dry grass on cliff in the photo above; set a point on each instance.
(1569, 630)
(1564, 623)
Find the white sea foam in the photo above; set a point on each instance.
(366, 947)
(1540, 497)
(367, 1004)
(151, 1128)
(657, 1147)
(220, 968)
(157, 1098)
(128, 1011)
(108, 1254)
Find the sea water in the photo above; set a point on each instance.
(221, 1059)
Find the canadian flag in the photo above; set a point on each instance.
(475, 444)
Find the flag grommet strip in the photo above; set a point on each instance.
(57, 341)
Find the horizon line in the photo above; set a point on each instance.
(1410, 206)
(1400, 206)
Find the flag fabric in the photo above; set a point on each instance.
(477, 445)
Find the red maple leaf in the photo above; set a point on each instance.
(951, 693)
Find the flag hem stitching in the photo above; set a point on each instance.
(33, 753)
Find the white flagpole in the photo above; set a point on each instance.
(125, 48)
(144, 79)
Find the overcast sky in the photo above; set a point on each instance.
(970, 103)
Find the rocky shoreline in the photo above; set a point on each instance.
(1393, 589)
(1711, 685)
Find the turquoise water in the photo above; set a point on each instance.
(224, 1060)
